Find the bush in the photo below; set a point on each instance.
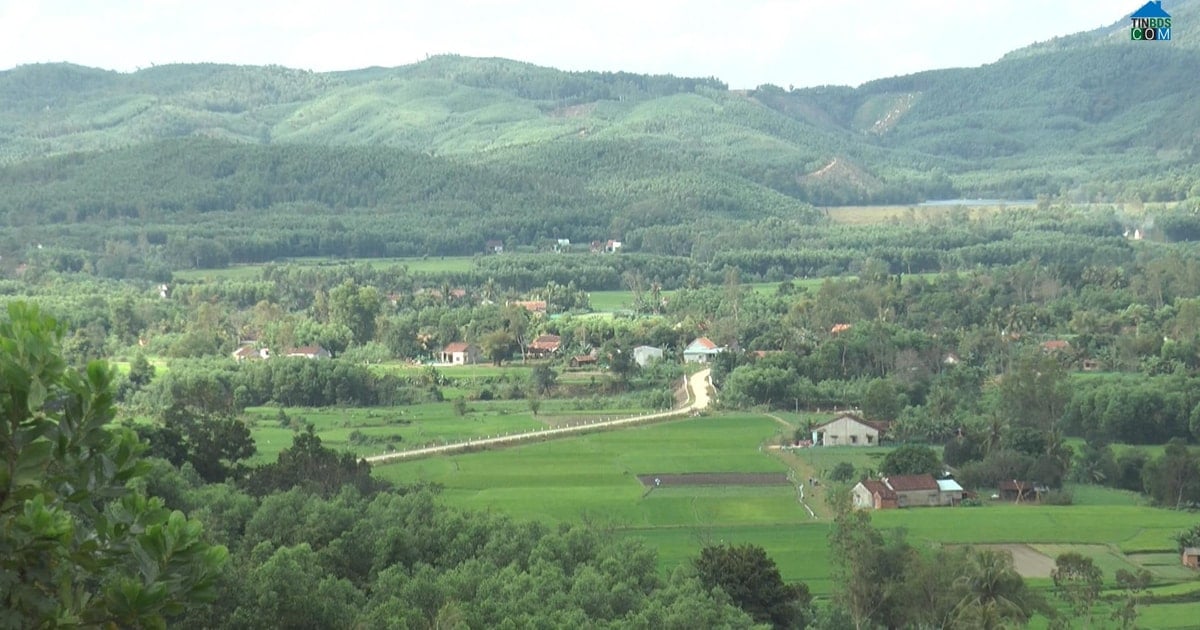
(843, 472)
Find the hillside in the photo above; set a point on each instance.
(523, 152)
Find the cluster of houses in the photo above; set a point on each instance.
(899, 491)
(611, 246)
(700, 350)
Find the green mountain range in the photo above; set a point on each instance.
(532, 152)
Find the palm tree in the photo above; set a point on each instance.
(993, 592)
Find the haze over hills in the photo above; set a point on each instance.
(1092, 116)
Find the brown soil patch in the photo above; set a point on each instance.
(714, 479)
(1028, 561)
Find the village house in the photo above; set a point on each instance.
(949, 492)
(701, 350)
(1017, 491)
(308, 352)
(643, 355)
(250, 353)
(544, 345)
(1191, 557)
(493, 247)
(848, 429)
(899, 491)
(460, 353)
(537, 307)
(583, 360)
(1056, 345)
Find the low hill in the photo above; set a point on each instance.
(590, 154)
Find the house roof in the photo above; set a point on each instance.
(1151, 10)
(878, 426)
(536, 306)
(703, 342)
(645, 348)
(874, 486)
(949, 485)
(584, 358)
(837, 328)
(457, 346)
(546, 342)
(909, 483)
(1056, 344)
(245, 352)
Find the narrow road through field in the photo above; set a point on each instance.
(698, 399)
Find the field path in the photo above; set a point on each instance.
(698, 399)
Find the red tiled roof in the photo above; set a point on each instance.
(457, 346)
(306, 350)
(705, 342)
(909, 483)
(546, 342)
(1056, 344)
(875, 486)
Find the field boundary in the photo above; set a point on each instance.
(698, 400)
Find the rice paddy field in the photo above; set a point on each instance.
(594, 479)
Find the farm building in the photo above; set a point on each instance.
(246, 353)
(950, 492)
(460, 353)
(1017, 491)
(847, 429)
(643, 355)
(873, 494)
(545, 345)
(904, 491)
(583, 360)
(1191, 557)
(701, 350)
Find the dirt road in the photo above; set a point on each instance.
(698, 399)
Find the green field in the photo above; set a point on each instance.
(592, 479)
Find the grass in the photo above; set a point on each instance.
(592, 479)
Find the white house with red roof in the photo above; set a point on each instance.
(701, 350)
(460, 353)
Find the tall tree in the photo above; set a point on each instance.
(752, 581)
(81, 547)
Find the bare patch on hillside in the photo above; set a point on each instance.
(842, 172)
(573, 111)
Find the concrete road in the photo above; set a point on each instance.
(698, 399)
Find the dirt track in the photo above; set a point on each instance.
(698, 393)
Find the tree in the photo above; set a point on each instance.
(1188, 538)
(1134, 584)
(1078, 581)
(543, 378)
(842, 473)
(880, 401)
(1035, 394)
(752, 581)
(994, 595)
(497, 346)
(355, 308)
(911, 459)
(316, 468)
(80, 545)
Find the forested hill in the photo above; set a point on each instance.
(591, 155)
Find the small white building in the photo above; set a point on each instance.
(308, 352)
(847, 429)
(701, 350)
(460, 353)
(643, 355)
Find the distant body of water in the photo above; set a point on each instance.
(977, 202)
